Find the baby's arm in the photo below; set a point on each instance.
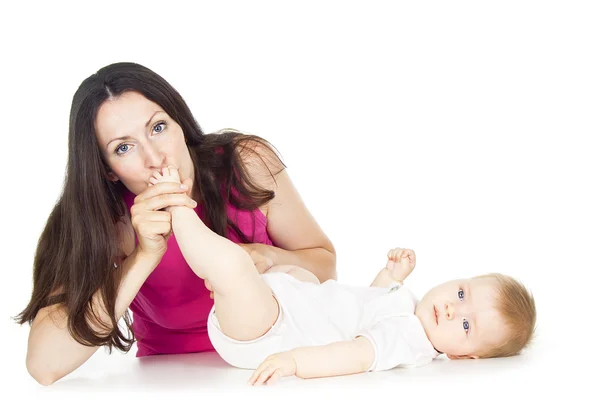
(401, 262)
(384, 279)
(335, 359)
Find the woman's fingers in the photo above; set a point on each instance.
(150, 224)
(189, 183)
(154, 228)
(162, 201)
(164, 187)
(145, 215)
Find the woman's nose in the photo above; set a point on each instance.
(154, 157)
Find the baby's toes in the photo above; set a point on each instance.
(157, 175)
(174, 173)
(153, 180)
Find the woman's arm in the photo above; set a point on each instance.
(299, 238)
(51, 352)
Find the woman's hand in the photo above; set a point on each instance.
(152, 225)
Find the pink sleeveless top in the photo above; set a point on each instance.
(172, 306)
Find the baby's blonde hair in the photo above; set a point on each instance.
(517, 308)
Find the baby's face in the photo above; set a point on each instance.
(460, 317)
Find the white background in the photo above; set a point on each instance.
(467, 131)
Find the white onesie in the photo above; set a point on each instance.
(318, 314)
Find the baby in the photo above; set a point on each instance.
(284, 322)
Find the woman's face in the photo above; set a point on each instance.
(137, 137)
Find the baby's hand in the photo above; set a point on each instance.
(169, 174)
(401, 262)
(274, 367)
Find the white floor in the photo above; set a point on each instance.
(544, 370)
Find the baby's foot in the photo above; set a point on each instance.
(169, 174)
(401, 262)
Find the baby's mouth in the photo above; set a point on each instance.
(435, 314)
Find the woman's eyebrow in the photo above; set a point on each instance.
(151, 117)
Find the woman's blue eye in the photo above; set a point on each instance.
(461, 294)
(465, 325)
(120, 147)
(161, 125)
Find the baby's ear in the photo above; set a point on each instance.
(453, 357)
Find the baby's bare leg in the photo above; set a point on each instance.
(244, 304)
(299, 273)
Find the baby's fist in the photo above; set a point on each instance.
(401, 262)
(397, 254)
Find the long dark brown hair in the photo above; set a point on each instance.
(80, 242)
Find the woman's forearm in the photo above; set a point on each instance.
(319, 261)
(51, 352)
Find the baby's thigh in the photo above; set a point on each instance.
(300, 273)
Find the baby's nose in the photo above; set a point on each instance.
(449, 311)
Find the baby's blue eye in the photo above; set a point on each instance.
(465, 325)
(461, 294)
(158, 131)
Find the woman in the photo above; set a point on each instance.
(107, 245)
